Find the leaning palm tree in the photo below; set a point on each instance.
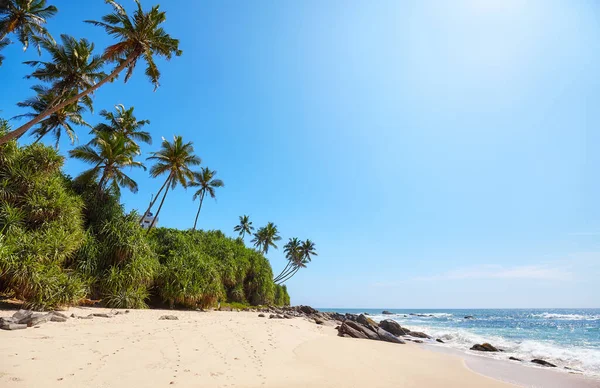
(245, 226)
(174, 159)
(26, 19)
(110, 155)
(125, 123)
(292, 254)
(63, 119)
(206, 183)
(305, 251)
(266, 237)
(140, 37)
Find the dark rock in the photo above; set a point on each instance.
(485, 347)
(367, 314)
(385, 312)
(86, 317)
(439, 340)
(168, 318)
(59, 314)
(371, 334)
(393, 327)
(388, 337)
(318, 321)
(543, 363)
(22, 316)
(514, 358)
(287, 316)
(104, 315)
(261, 315)
(469, 317)
(363, 320)
(418, 341)
(418, 334)
(57, 318)
(13, 326)
(307, 310)
(73, 315)
(38, 319)
(346, 330)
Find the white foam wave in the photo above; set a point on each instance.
(570, 317)
(580, 358)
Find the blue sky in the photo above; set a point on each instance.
(440, 154)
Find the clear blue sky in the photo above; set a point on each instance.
(440, 154)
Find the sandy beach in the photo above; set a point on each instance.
(217, 349)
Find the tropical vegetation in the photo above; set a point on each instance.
(68, 240)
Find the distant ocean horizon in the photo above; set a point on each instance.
(564, 336)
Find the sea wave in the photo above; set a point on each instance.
(567, 317)
(580, 358)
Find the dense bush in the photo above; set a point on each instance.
(62, 241)
(201, 268)
(41, 226)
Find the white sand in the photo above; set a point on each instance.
(215, 349)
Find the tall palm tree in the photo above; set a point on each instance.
(110, 155)
(304, 253)
(266, 237)
(26, 19)
(206, 183)
(125, 123)
(292, 254)
(174, 159)
(140, 37)
(245, 226)
(58, 121)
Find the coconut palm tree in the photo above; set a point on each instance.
(206, 183)
(125, 123)
(139, 37)
(110, 155)
(292, 254)
(305, 251)
(26, 19)
(266, 237)
(245, 226)
(174, 159)
(58, 121)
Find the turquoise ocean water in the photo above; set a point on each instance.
(566, 337)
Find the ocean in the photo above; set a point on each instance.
(565, 337)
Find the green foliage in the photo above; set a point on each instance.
(281, 296)
(201, 268)
(41, 227)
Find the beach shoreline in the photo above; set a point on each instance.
(234, 349)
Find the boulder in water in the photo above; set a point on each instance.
(514, 358)
(543, 363)
(385, 312)
(484, 347)
(393, 327)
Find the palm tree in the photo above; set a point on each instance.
(292, 254)
(265, 237)
(174, 159)
(109, 154)
(60, 120)
(125, 123)
(304, 253)
(26, 18)
(205, 180)
(245, 226)
(140, 36)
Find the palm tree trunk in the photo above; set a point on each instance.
(155, 198)
(24, 128)
(101, 182)
(199, 207)
(289, 276)
(281, 273)
(158, 211)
